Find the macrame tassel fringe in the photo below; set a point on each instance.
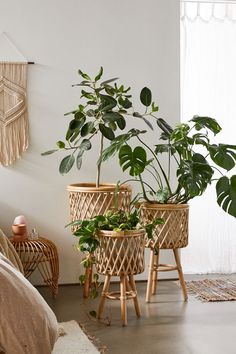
(14, 140)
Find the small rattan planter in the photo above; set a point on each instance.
(87, 200)
(172, 234)
(120, 254)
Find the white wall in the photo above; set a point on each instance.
(136, 40)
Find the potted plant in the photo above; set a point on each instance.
(196, 161)
(103, 109)
(115, 243)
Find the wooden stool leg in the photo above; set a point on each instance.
(135, 299)
(87, 283)
(181, 276)
(123, 300)
(150, 275)
(103, 295)
(155, 273)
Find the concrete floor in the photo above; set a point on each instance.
(167, 326)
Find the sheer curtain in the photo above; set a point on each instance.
(208, 75)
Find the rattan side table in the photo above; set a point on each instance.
(39, 254)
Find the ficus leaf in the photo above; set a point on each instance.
(146, 97)
(87, 128)
(49, 152)
(66, 164)
(85, 76)
(99, 74)
(106, 132)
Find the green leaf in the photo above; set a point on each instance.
(194, 175)
(99, 74)
(165, 127)
(85, 76)
(223, 155)
(87, 128)
(61, 144)
(79, 161)
(87, 95)
(71, 112)
(206, 122)
(125, 103)
(106, 132)
(146, 97)
(112, 125)
(154, 108)
(135, 160)
(226, 194)
(107, 103)
(49, 152)
(93, 313)
(66, 164)
(121, 123)
(138, 115)
(76, 124)
(112, 117)
(86, 144)
(90, 113)
(160, 148)
(79, 115)
(108, 81)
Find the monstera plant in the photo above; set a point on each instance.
(196, 160)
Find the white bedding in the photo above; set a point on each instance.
(27, 324)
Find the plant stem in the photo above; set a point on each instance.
(158, 162)
(99, 162)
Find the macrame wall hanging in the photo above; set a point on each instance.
(14, 126)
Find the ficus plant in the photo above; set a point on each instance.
(103, 110)
(114, 220)
(196, 160)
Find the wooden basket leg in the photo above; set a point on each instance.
(135, 299)
(181, 276)
(103, 295)
(150, 276)
(155, 273)
(123, 300)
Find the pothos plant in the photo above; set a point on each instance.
(115, 220)
(103, 109)
(195, 159)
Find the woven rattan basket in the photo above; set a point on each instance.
(173, 233)
(120, 253)
(87, 200)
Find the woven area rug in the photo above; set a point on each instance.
(213, 289)
(73, 340)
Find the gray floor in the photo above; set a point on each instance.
(167, 326)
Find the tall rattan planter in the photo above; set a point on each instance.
(87, 200)
(172, 234)
(120, 254)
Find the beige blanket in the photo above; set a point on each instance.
(7, 249)
(27, 324)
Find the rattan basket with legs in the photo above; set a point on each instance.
(120, 254)
(87, 200)
(172, 234)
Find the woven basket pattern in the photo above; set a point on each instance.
(87, 202)
(174, 232)
(120, 253)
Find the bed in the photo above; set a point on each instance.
(27, 324)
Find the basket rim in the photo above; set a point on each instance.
(147, 205)
(91, 187)
(125, 233)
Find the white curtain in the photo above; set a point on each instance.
(208, 75)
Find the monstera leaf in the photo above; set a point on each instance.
(223, 155)
(226, 194)
(206, 122)
(134, 160)
(194, 175)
